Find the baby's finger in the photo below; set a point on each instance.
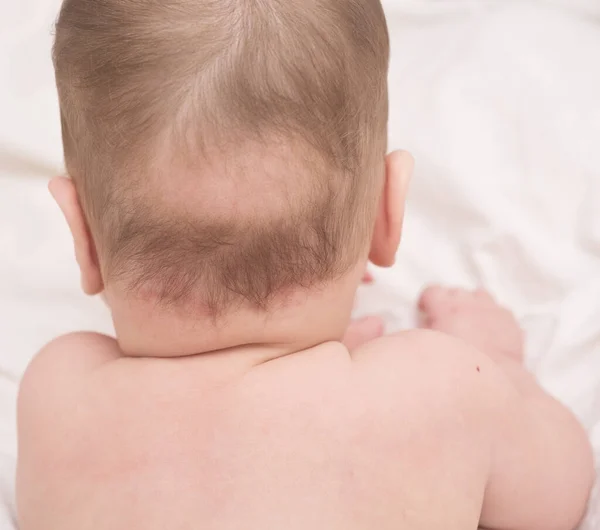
(431, 297)
(362, 331)
(368, 278)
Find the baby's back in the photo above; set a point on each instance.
(311, 441)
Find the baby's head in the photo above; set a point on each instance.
(223, 152)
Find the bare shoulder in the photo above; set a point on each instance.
(72, 353)
(84, 349)
(432, 367)
(54, 371)
(52, 402)
(420, 348)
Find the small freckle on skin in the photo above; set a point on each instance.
(478, 369)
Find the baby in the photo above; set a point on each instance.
(228, 185)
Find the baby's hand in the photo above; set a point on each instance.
(362, 331)
(475, 317)
(365, 329)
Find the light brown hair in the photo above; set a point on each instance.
(282, 103)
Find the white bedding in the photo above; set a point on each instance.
(499, 102)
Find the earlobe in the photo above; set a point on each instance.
(389, 221)
(64, 193)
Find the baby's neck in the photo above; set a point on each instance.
(312, 318)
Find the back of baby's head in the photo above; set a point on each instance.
(224, 151)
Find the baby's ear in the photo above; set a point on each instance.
(399, 167)
(64, 193)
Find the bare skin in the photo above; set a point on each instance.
(418, 431)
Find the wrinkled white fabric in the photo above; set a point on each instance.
(498, 100)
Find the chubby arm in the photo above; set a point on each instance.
(542, 467)
(49, 397)
(536, 461)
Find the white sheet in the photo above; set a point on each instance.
(499, 101)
